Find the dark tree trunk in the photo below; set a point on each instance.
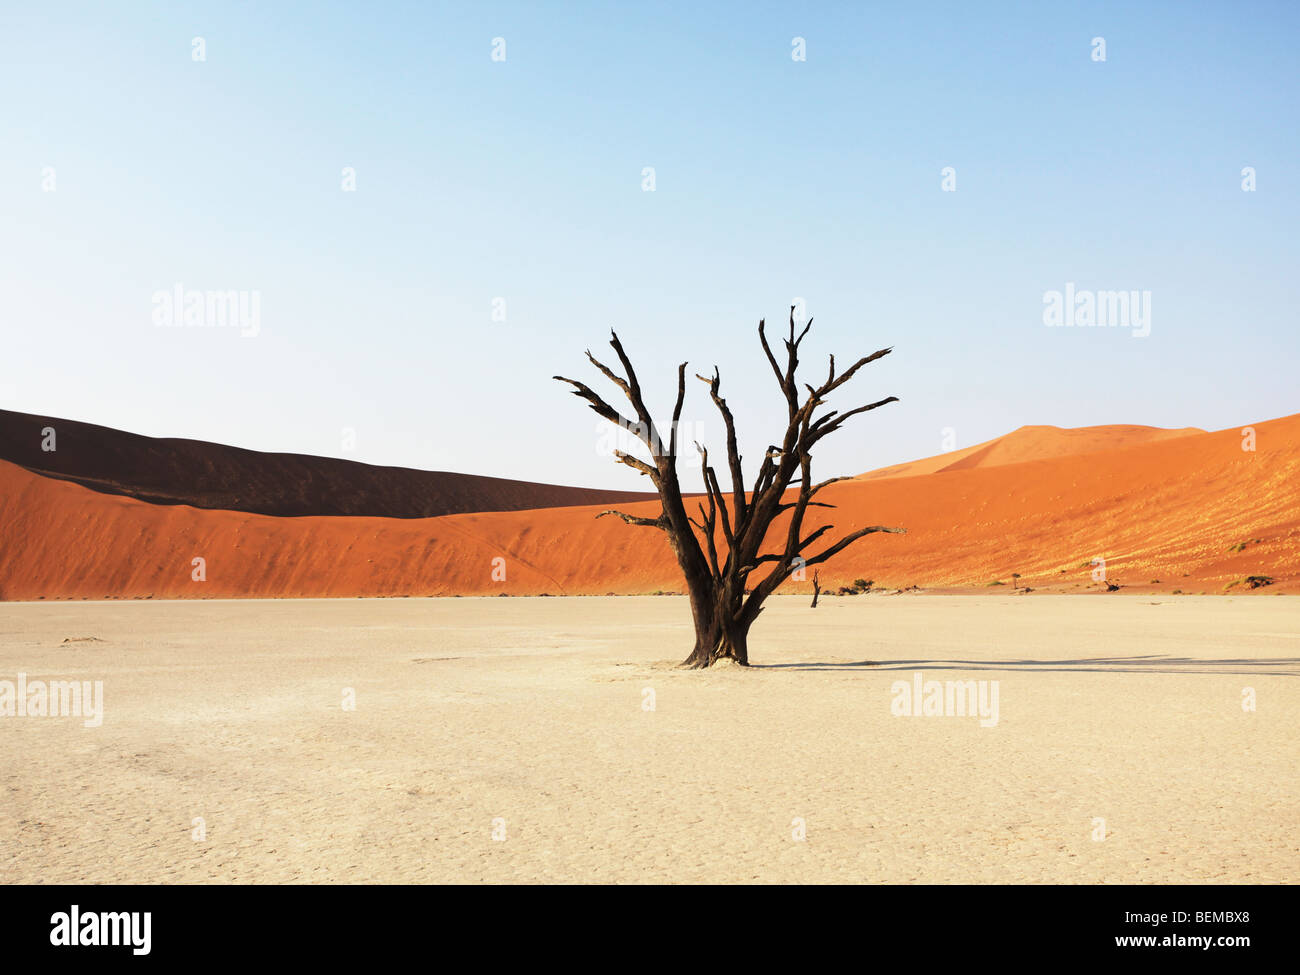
(721, 633)
(817, 589)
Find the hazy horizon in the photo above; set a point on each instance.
(686, 469)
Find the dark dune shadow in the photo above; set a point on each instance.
(173, 471)
(1142, 664)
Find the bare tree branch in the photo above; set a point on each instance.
(635, 520)
(598, 405)
(637, 464)
(848, 540)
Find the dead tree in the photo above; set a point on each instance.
(724, 603)
(817, 588)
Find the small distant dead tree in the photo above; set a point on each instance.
(817, 588)
(724, 604)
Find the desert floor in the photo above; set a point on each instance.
(530, 718)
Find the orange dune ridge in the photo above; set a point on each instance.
(1032, 443)
(1192, 510)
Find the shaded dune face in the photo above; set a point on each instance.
(1193, 510)
(207, 475)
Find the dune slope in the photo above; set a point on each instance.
(1033, 443)
(1195, 512)
(207, 475)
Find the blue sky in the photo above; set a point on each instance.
(521, 179)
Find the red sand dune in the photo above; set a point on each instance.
(1033, 443)
(1173, 509)
(209, 475)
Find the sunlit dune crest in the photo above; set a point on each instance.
(1034, 443)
